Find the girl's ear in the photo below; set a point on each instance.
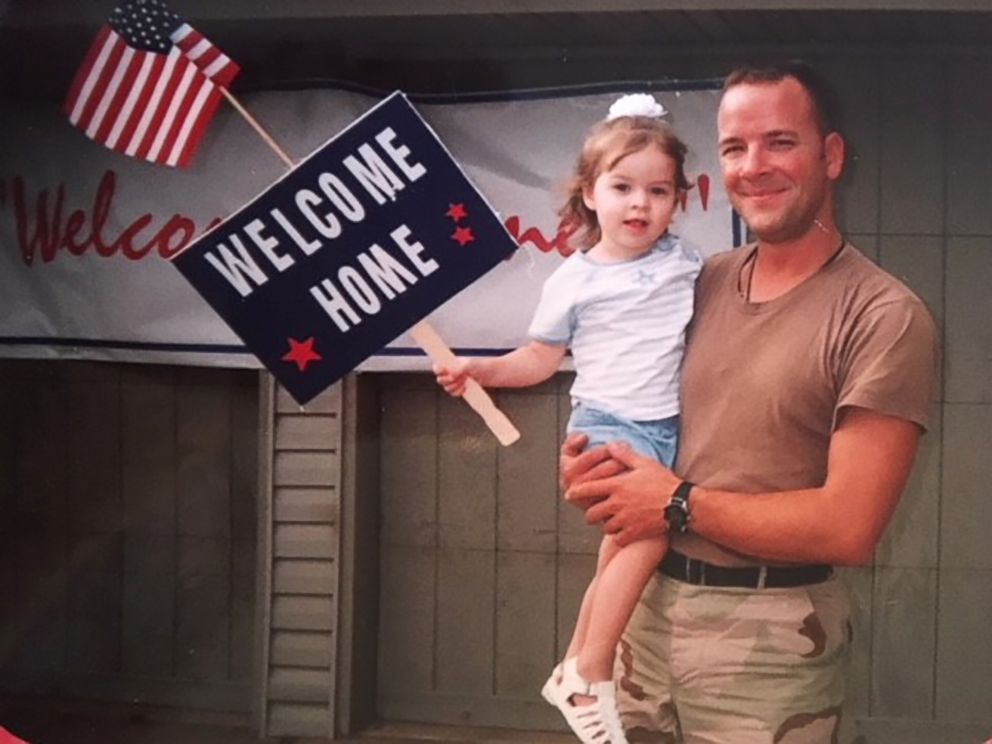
(587, 199)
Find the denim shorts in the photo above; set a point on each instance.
(658, 438)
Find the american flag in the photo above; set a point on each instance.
(148, 86)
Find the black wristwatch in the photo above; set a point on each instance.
(677, 512)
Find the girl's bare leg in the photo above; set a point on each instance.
(611, 600)
(607, 549)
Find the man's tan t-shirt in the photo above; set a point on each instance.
(762, 383)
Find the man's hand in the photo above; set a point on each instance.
(576, 466)
(618, 488)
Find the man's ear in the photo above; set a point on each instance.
(833, 153)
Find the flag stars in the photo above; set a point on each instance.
(145, 24)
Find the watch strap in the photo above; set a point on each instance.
(677, 512)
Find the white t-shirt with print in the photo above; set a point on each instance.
(625, 324)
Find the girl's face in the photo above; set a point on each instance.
(634, 202)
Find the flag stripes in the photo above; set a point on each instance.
(212, 61)
(141, 101)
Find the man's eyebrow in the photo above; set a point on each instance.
(781, 132)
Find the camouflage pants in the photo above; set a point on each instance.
(709, 665)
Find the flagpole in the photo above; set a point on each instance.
(423, 332)
(258, 128)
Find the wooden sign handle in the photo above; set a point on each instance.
(425, 335)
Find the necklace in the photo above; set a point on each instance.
(751, 261)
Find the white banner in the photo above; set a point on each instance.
(85, 232)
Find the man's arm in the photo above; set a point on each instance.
(870, 459)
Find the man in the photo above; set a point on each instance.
(806, 386)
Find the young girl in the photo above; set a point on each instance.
(622, 306)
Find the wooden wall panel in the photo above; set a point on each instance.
(93, 452)
(966, 509)
(466, 504)
(203, 479)
(203, 597)
(303, 613)
(93, 640)
(858, 86)
(305, 469)
(300, 685)
(314, 505)
(903, 651)
(525, 632)
(969, 152)
(300, 566)
(42, 438)
(912, 201)
(408, 467)
(575, 571)
(148, 614)
(244, 446)
(301, 649)
(304, 541)
(860, 584)
(10, 386)
(320, 433)
(465, 641)
(527, 472)
(968, 334)
(407, 607)
(115, 592)
(964, 646)
(297, 719)
(304, 577)
(911, 539)
(244, 568)
(148, 452)
(41, 526)
(328, 402)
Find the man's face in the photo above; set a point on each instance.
(777, 166)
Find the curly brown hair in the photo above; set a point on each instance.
(607, 143)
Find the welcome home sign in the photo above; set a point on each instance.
(364, 238)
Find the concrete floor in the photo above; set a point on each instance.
(45, 722)
(54, 723)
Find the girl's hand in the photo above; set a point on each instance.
(454, 377)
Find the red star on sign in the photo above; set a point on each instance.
(302, 353)
(456, 212)
(463, 235)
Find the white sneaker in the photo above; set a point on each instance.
(596, 723)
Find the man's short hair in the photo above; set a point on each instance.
(826, 107)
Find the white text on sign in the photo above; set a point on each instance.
(246, 257)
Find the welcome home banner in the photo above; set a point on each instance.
(86, 234)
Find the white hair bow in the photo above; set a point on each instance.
(636, 104)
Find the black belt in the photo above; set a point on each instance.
(694, 571)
